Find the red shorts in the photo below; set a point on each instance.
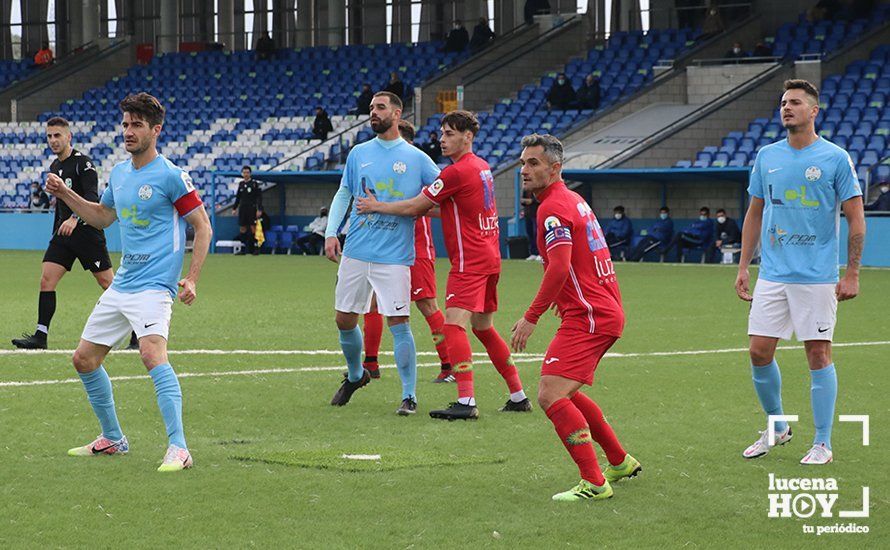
(575, 354)
(476, 292)
(423, 279)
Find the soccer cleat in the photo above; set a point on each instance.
(456, 411)
(512, 406)
(102, 446)
(817, 456)
(585, 490)
(761, 447)
(348, 388)
(31, 341)
(408, 407)
(176, 459)
(445, 376)
(627, 469)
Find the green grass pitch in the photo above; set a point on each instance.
(268, 447)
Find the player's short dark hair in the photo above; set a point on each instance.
(144, 106)
(58, 121)
(406, 130)
(553, 148)
(394, 100)
(248, 168)
(462, 121)
(800, 84)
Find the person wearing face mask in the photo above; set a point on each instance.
(457, 39)
(618, 232)
(882, 203)
(699, 235)
(728, 233)
(657, 236)
(562, 95)
(736, 52)
(39, 199)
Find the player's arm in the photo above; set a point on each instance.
(559, 258)
(96, 214)
(198, 219)
(750, 240)
(336, 213)
(417, 206)
(854, 211)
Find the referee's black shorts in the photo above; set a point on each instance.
(85, 244)
(246, 216)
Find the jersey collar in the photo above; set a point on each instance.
(549, 189)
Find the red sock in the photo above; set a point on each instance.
(460, 352)
(600, 429)
(436, 321)
(499, 354)
(574, 433)
(373, 332)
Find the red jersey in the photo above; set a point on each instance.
(465, 195)
(589, 299)
(424, 249)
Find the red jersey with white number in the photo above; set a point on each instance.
(465, 195)
(423, 239)
(589, 300)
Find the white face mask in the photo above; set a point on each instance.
(885, 188)
(736, 50)
(702, 218)
(663, 215)
(561, 81)
(618, 216)
(721, 219)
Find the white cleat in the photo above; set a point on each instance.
(176, 459)
(817, 456)
(762, 446)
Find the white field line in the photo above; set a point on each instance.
(228, 352)
(520, 358)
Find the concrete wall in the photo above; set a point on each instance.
(705, 84)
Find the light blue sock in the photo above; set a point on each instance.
(823, 395)
(170, 402)
(351, 344)
(98, 387)
(406, 358)
(768, 383)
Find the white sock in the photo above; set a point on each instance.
(43, 328)
(516, 397)
(471, 401)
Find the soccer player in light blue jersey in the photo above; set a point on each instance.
(798, 187)
(152, 199)
(379, 249)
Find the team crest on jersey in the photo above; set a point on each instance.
(399, 167)
(68, 183)
(145, 192)
(187, 180)
(436, 187)
(813, 173)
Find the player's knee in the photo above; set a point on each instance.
(819, 357)
(760, 355)
(48, 282)
(83, 362)
(346, 321)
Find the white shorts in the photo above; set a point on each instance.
(358, 280)
(117, 313)
(778, 309)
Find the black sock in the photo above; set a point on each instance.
(46, 308)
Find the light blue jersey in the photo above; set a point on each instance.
(802, 192)
(152, 232)
(395, 171)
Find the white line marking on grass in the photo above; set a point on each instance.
(228, 352)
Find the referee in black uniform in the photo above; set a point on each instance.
(248, 206)
(72, 239)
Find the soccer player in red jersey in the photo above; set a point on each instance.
(580, 279)
(423, 292)
(464, 193)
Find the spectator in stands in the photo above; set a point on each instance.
(762, 50)
(311, 243)
(533, 8)
(728, 233)
(882, 203)
(457, 39)
(39, 199)
(713, 24)
(44, 56)
(561, 96)
(395, 85)
(432, 148)
(265, 48)
(699, 235)
(529, 212)
(736, 52)
(589, 93)
(658, 235)
(322, 125)
(482, 36)
(618, 232)
(363, 102)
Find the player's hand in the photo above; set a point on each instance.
(742, 283)
(67, 227)
(368, 203)
(187, 291)
(55, 185)
(847, 288)
(332, 249)
(521, 332)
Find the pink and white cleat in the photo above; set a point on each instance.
(102, 446)
(176, 459)
(817, 456)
